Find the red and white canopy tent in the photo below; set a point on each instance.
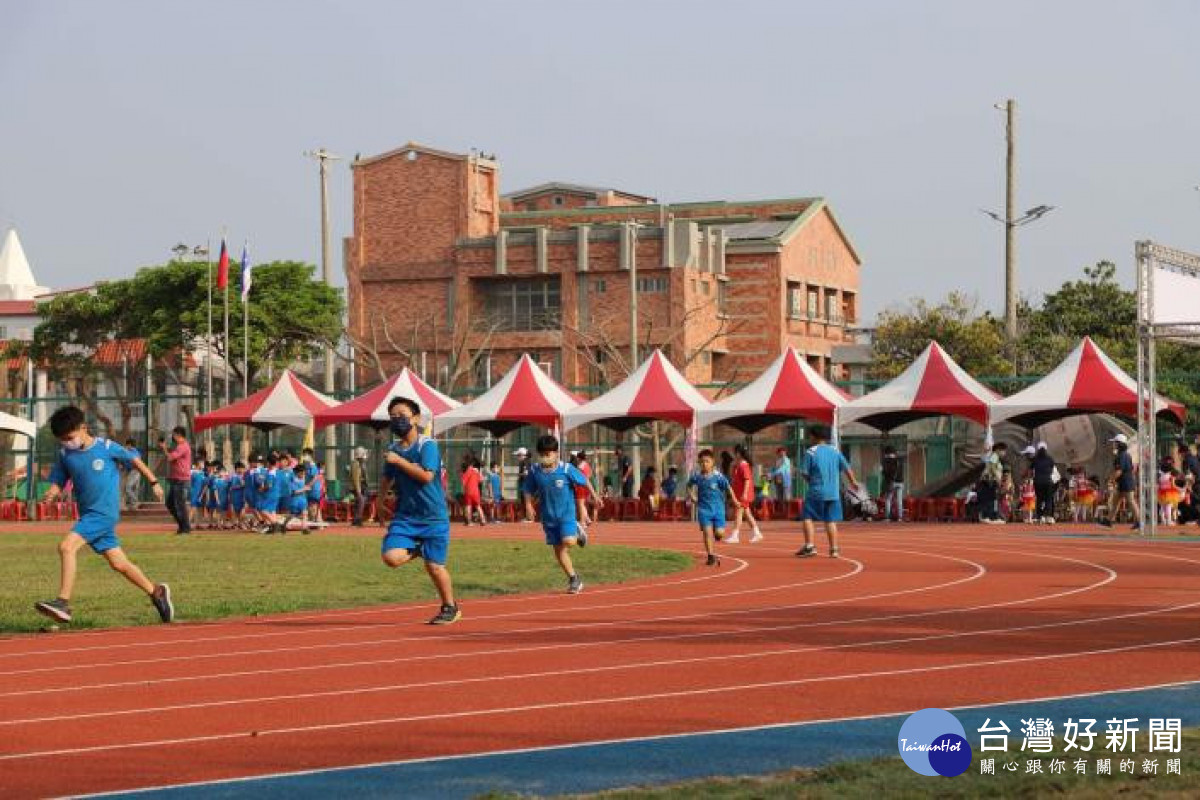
(788, 389)
(1087, 381)
(656, 390)
(286, 403)
(933, 385)
(371, 408)
(524, 396)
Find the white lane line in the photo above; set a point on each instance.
(602, 701)
(1110, 575)
(392, 687)
(626, 740)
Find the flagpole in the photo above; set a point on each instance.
(245, 322)
(225, 341)
(208, 342)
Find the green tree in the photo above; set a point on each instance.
(291, 315)
(975, 341)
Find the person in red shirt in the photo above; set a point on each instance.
(179, 478)
(583, 493)
(472, 479)
(743, 490)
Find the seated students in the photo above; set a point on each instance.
(670, 484)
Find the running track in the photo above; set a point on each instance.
(910, 617)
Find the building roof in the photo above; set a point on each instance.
(769, 229)
(414, 147)
(17, 308)
(571, 188)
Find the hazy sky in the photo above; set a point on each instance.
(126, 127)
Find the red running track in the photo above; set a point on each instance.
(910, 617)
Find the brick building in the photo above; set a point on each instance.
(449, 275)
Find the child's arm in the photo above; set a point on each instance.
(736, 503)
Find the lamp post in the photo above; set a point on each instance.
(1010, 221)
(323, 157)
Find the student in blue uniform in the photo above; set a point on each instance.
(253, 520)
(297, 498)
(553, 483)
(237, 494)
(196, 493)
(420, 528)
(822, 469)
(92, 465)
(708, 489)
(315, 475)
(218, 498)
(270, 486)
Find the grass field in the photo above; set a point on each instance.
(224, 575)
(890, 778)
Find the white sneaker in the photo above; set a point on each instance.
(733, 539)
(757, 537)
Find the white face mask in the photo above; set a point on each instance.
(549, 461)
(74, 443)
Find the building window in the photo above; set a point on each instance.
(705, 288)
(849, 308)
(795, 300)
(600, 285)
(522, 305)
(3, 331)
(814, 304)
(722, 297)
(652, 285)
(558, 201)
(832, 309)
(706, 358)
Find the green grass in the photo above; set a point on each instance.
(890, 778)
(223, 575)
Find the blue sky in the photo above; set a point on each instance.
(130, 126)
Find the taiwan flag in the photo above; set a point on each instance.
(223, 267)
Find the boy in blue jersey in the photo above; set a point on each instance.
(707, 489)
(219, 501)
(196, 492)
(553, 483)
(270, 486)
(237, 495)
(296, 498)
(420, 527)
(822, 469)
(253, 520)
(92, 465)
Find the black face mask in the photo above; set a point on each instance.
(401, 426)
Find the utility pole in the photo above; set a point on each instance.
(323, 157)
(636, 456)
(1010, 238)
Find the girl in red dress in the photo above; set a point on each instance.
(472, 481)
(743, 490)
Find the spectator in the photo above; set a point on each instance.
(523, 465)
(781, 475)
(989, 484)
(1189, 467)
(1122, 494)
(133, 478)
(892, 484)
(358, 484)
(179, 476)
(648, 491)
(670, 483)
(624, 472)
(1044, 483)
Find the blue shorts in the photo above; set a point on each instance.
(711, 520)
(557, 531)
(298, 507)
(819, 510)
(197, 503)
(268, 503)
(237, 506)
(99, 532)
(427, 540)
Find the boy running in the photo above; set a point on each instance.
(92, 465)
(707, 489)
(420, 528)
(822, 470)
(553, 483)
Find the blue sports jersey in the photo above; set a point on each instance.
(95, 475)
(416, 501)
(269, 489)
(822, 468)
(133, 453)
(556, 490)
(237, 488)
(219, 493)
(711, 490)
(494, 480)
(318, 485)
(197, 486)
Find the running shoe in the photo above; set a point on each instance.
(835, 553)
(808, 551)
(582, 537)
(574, 585)
(712, 561)
(57, 609)
(757, 537)
(447, 616)
(161, 599)
(734, 538)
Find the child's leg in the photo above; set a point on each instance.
(441, 581)
(831, 531)
(808, 533)
(120, 563)
(707, 533)
(67, 550)
(564, 558)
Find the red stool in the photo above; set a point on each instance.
(629, 508)
(762, 510)
(795, 508)
(672, 510)
(947, 509)
(926, 509)
(910, 509)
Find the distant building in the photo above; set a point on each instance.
(449, 276)
(18, 288)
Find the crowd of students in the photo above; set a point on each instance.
(272, 495)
